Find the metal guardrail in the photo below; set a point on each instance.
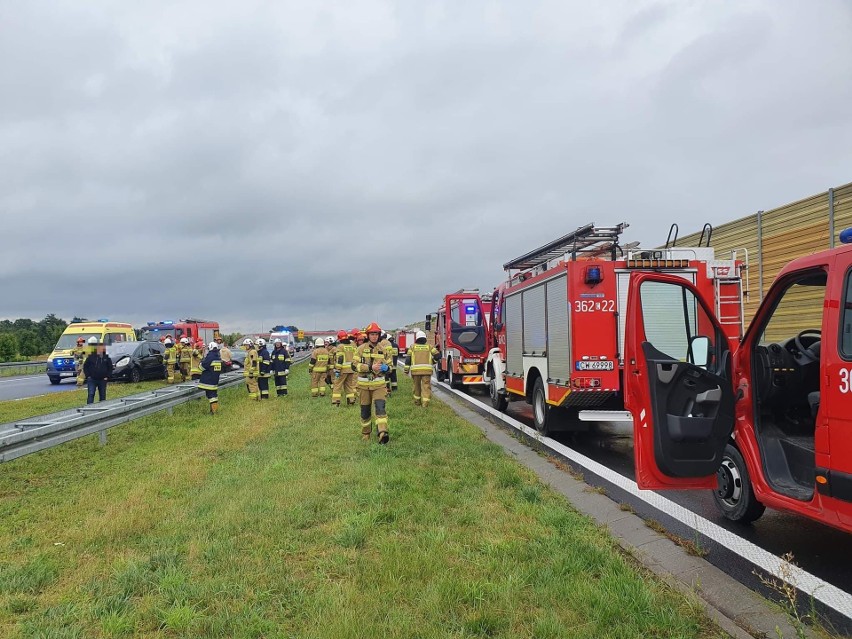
(22, 364)
(46, 431)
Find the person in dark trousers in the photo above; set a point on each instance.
(97, 368)
(211, 368)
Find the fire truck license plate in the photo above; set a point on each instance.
(604, 365)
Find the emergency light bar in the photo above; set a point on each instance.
(657, 263)
(846, 236)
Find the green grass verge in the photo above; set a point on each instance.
(16, 409)
(276, 520)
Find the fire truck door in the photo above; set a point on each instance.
(677, 383)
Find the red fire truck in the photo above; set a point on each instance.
(768, 423)
(190, 327)
(462, 336)
(404, 339)
(558, 322)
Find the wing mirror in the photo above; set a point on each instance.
(699, 351)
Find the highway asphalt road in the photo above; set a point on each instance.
(31, 385)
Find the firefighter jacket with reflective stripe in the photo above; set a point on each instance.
(225, 354)
(80, 355)
(252, 364)
(170, 356)
(211, 368)
(420, 359)
(180, 358)
(265, 362)
(319, 360)
(281, 361)
(195, 361)
(362, 363)
(344, 355)
(394, 352)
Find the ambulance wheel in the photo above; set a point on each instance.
(498, 401)
(542, 411)
(734, 495)
(135, 375)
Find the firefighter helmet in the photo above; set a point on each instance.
(261, 341)
(419, 335)
(247, 342)
(329, 341)
(373, 328)
(212, 346)
(93, 340)
(342, 335)
(277, 340)
(184, 340)
(318, 342)
(81, 340)
(168, 341)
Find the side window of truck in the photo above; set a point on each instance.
(677, 324)
(846, 320)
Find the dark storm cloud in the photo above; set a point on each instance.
(258, 163)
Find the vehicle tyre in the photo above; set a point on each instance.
(439, 373)
(453, 379)
(542, 411)
(54, 379)
(735, 496)
(135, 375)
(498, 401)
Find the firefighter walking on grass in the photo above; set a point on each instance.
(318, 367)
(251, 369)
(265, 368)
(344, 378)
(421, 356)
(211, 368)
(280, 366)
(372, 362)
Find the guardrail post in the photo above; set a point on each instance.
(102, 437)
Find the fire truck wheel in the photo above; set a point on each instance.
(439, 374)
(498, 401)
(734, 495)
(542, 411)
(452, 379)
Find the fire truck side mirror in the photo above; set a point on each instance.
(428, 326)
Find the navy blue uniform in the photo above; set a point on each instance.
(211, 368)
(281, 368)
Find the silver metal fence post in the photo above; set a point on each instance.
(760, 255)
(102, 438)
(830, 218)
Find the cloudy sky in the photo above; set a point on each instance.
(326, 164)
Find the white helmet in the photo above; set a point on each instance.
(212, 346)
(419, 335)
(93, 340)
(247, 342)
(184, 340)
(261, 341)
(318, 342)
(277, 340)
(329, 340)
(168, 341)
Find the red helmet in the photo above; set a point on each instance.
(355, 332)
(342, 334)
(81, 340)
(373, 328)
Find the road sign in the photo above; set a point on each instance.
(300, 335)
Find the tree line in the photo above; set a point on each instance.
(23, 338)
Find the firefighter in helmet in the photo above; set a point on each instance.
(372, 363)
(251, 369)
(265, 368)
(211, 368)
(421, 356)
(280, 366)
(344, 377)
(329, 375)
(184, 357)
(170, 359)
(317, 367)
(394, 349)
(80, 354)
(195, 357)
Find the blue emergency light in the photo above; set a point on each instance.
(167, 322)
(470, 310)
(846, 236)
(594, 275)
(104, 319)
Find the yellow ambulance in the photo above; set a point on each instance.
(61, 361)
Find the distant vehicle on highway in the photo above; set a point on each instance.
(61, 361)
(135, 361)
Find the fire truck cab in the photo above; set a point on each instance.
(462, 337)
(558, 322)
(765, 423)
(190, 327)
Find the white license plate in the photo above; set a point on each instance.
(602, 365)
(470, 360)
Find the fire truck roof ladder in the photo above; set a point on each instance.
(585, 240)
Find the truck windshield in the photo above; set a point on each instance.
(154, 334)
(69, 340)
